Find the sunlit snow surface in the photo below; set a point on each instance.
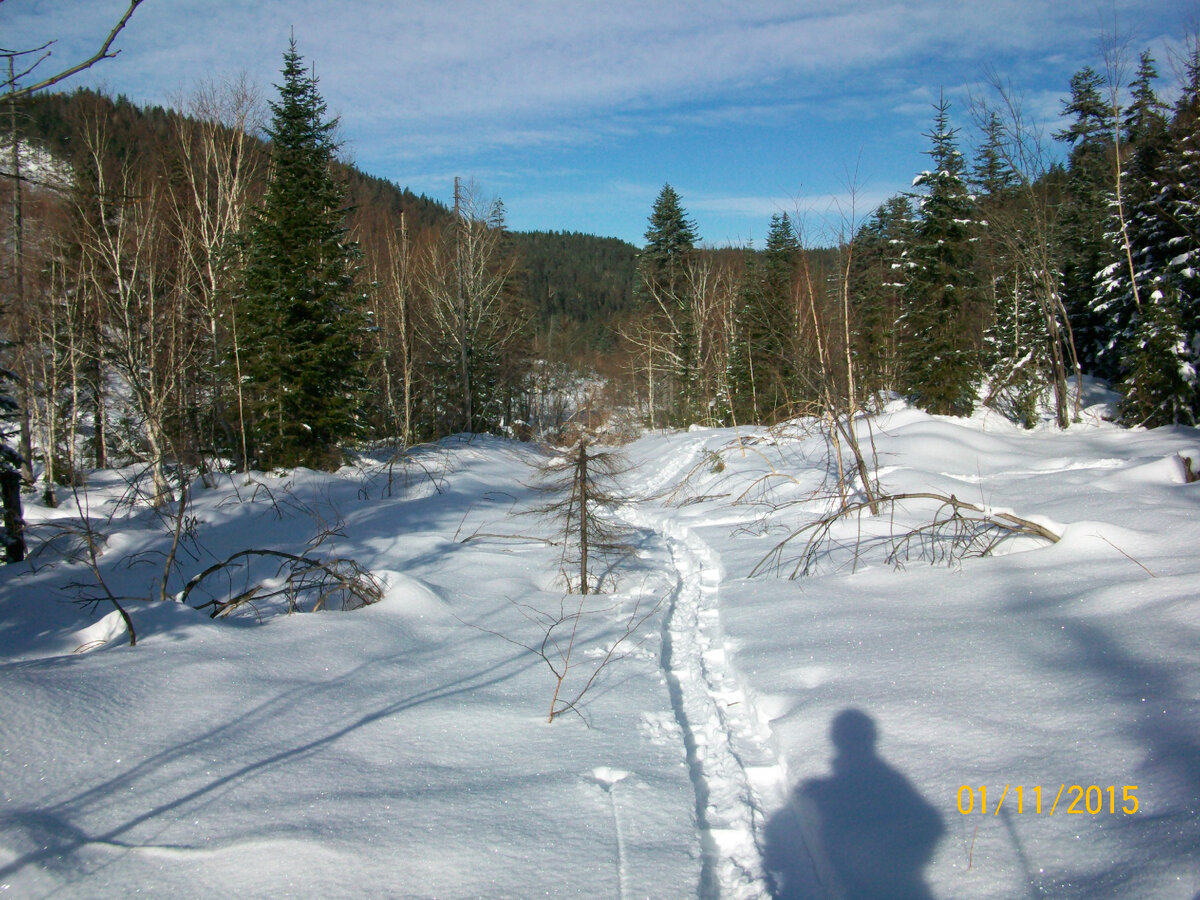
(761, 737)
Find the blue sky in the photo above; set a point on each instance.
(576, 113)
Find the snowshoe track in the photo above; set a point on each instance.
(738, 779)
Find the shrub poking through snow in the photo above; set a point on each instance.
(581, 482)
(306, 583)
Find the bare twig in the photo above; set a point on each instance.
(105, 52)
(93, 543)
(560, 645)
(1126, 555)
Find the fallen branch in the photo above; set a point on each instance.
(957, 529)
(305, 575)
(481, 535)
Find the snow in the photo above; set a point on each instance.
(38, 165)
(759, 737)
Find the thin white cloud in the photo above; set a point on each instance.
(446, 63)
(438, 85)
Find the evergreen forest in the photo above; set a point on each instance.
(213, 286)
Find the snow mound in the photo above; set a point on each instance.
(97, 635)
(410, 596)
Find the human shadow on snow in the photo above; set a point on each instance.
(862, 833)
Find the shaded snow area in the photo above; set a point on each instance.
(757, 737)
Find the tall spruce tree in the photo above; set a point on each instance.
(771, 322)
(942, 301)
(1159, 338)
(1133, 261)
(1015, 344)
(878, 278)
(299, 315)
(1089, 134)
(740, 363)
(1179, 199)
(663, 281)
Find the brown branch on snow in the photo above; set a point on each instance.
(957, 529)
(305, 575)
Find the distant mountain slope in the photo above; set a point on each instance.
(568, 278)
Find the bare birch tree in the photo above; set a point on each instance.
(469, 319)
(1028, 235)
(131, 265)
(219, 163)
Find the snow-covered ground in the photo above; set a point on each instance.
(759, 737)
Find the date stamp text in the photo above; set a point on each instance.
(1067, 799)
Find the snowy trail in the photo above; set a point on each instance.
(738, 779)
(396, 751)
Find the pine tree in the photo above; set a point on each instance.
(1160, 369)
(663, 281)
(740, 362)
(1015, 352)
(878, 278)
(1179, 200)
(670, 242)
(1145, 119)
(1090, 132)
(1016, 349)
(1083, 243)
(992, 174)
(1128, 262)
(769, 319)
(299, 315)
(1159, 342)
(942, 299)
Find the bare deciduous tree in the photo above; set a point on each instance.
(131, 263)
(219, 162)
(466, 275)
(394, 310)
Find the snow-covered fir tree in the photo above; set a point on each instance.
(1082, 243)
(1016, 348)
(1178, 232)
(1145, 296)
(942, 298)
(878, 277)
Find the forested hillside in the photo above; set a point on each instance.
(577, 281)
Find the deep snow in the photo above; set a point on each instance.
(760, 736)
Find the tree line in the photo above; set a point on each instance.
(184, 292)
(995, 280)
